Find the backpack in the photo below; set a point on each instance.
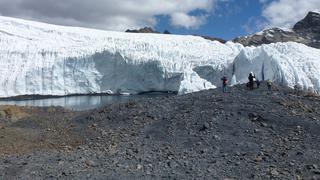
(225, 81)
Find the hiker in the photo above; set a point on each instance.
(224, 84)
(258, 83)
(251, 80)
(269, 84)
(298, 89)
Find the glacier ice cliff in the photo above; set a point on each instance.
(287, 63)
(44, 59)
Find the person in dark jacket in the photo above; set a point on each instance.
(269, 84)
(224, 84)
(251, 80)
(258, 83)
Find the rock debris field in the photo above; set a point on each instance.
(205, 135)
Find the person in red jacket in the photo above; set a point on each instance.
(224, 84)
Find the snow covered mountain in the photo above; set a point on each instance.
(306, 31)
(44, 59)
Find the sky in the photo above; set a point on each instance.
(226, 19)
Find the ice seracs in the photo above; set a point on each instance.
(38, 58)
(288, 63)
(44, 59)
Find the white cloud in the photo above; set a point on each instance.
(187, 21)
(253, 25)
(285, 13)
(110, 14)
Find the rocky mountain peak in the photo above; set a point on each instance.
(142, 30)
(213, 38)
(306, 31)
(269, 36)
(310, 24)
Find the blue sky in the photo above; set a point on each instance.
(218, 18)
(227, 21)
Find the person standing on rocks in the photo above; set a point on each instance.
(269, 84)
(258, 83)
(251, 80)
(224, 84)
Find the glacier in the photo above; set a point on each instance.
(43, 59)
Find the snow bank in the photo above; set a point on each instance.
(44, 59)
(316, 11)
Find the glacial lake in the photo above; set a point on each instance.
(82, 102)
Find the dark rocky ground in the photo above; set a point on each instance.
(205, 135)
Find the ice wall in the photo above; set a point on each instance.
(39, 58)
(44, 59)
(288, 63)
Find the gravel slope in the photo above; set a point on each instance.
(205, 135)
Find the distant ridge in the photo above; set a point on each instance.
(306, 31)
